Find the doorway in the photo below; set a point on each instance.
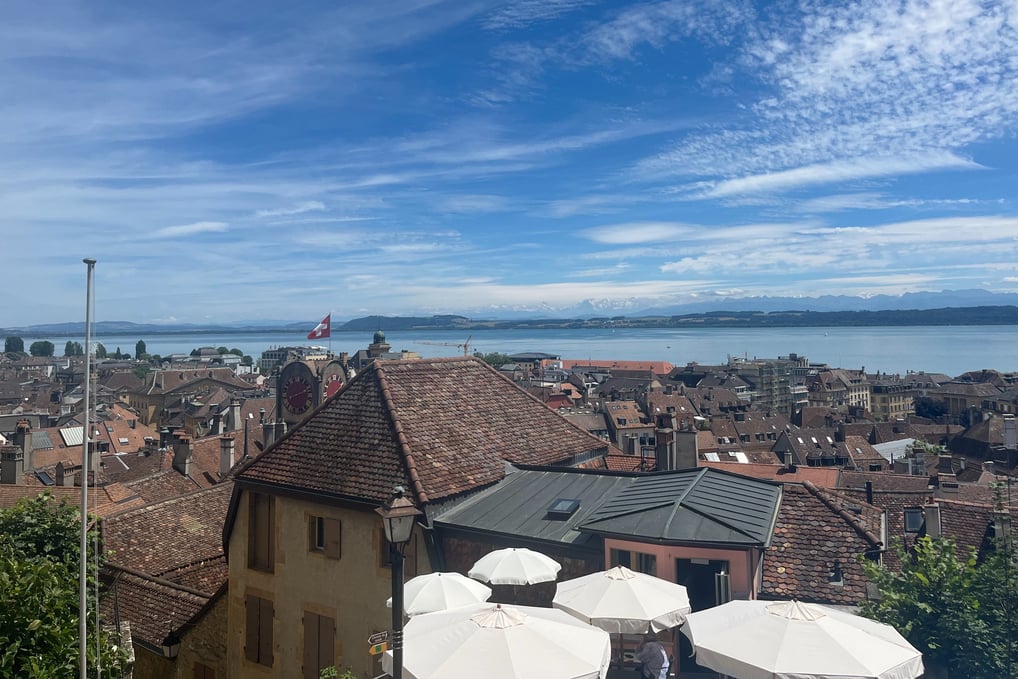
(698, 577)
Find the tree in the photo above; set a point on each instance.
(39, 547)
(929, 407)
(247, 360)
(100, 350)
(42, 348)
(494, 359)
(14, 344)
(957, 611)
(73, 349)
(236, 352)
(222, 350)
(140, 350)
(117, 355)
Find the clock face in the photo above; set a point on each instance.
(332, 385)
(297, 395)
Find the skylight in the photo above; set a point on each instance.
(563, 508)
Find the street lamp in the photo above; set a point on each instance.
(398, 517)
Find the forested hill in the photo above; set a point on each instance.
(983, 315)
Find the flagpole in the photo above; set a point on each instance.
(330, 333)
(85, 430)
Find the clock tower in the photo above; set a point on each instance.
(298, 392)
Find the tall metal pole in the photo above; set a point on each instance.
(86, 431)
(396, 557)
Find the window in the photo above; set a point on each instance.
(261, 552)
(202, 671)
(637, 561)
(325, 536)
(258, 630)
(319, 644)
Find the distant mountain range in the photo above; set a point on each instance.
(956, 307)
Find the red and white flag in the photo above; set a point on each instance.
(322, 329)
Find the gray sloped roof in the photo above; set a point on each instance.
(703, 506)
(695, 505)
(519, 504)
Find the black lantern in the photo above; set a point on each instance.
(398, 517)
(171, 645)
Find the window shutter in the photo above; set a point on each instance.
(265, 633)
(333, 538)
(326, 642)
(251, 611)
(311, 642)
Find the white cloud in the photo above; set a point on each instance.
(638, 232)
(190, 229)
(516, 14)
(838, 171)
(309, 206)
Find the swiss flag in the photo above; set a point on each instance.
(322, 329)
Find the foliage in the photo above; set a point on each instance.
(141, 371)
(236, 352)
(42, 348)
(930, 408)
(140, 350)
(222, 350)
(100, 351)
(247, 360)
(494, 359)
(73, 349)
(14, 344)
(39, 547)
(333, 673)
(957, 611)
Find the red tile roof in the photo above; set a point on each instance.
(152, 606)
(440, 426)
(816, 528)
(161, 537)
(824, 477)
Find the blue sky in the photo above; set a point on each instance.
(238, 160)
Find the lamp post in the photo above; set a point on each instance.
(398, 517)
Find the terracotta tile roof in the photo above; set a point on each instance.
(441, 426)
(863, 454)
(656, 367)
(629, 463)
(816, 528)
(883, 481)
(207, 575)
(163, 485)
(824, 477)
(160, 537)
(153, 606)
(100, 501)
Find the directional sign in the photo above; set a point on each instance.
(378, 637)
(379, 648)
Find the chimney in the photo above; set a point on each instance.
(988, 466)
(23, 440)
(62, 477)
(182, 454)
(687, 449)
(226, 448)
(235, 415)
(1002, 528)
(1010, 439)
(869, 492)
(217, 422)
(932, 514)
(132, 423)
(12, 464)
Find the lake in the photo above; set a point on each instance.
(944, 349)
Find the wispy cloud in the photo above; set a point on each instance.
(309, 206)
(838, 171)
(638, 232)
(190, 229)
(851, 86)
(516, 14)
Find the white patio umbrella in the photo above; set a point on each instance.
(502, 642)
(622, 601)
(793, 640)
(515, 566)
(440, 591)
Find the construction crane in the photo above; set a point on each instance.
(465, 345)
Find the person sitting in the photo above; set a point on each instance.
(653, 658)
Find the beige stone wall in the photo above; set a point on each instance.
(205, 642)
(352, 590)
(149, 665)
